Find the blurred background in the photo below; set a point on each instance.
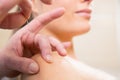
(100, 47)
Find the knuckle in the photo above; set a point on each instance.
(38, 37)
(46, 48)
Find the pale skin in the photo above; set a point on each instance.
(14, 56)
(64, 29)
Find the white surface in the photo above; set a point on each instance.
(99, 47)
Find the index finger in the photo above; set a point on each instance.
(38, 23)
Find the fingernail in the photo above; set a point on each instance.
(33, 68)
(49, 58)
(64, 52)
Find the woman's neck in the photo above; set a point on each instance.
(70, 51)
(61, 38)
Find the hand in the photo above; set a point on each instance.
(8, 20)
(12, 57)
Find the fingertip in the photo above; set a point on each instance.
(33, 68)
(63, 52)
(60, 11)
(28, 66)
(48, 58)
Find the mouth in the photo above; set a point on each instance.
(84, 13)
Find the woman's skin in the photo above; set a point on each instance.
(75, 21)
(14, 56)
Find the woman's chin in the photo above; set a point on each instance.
(83, 30)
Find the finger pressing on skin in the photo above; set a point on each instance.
(21, 64)
(58, 46)
(65, 44)
(38, 23)
(44, 46)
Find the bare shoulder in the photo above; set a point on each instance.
(60, 69)
(66, 68)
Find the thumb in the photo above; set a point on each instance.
(22, 64)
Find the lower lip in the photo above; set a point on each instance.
(84, 14)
